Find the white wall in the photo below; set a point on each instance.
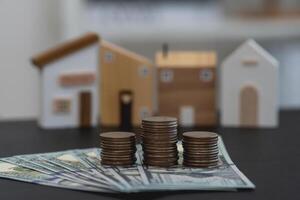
(85, 60)
(27, 27)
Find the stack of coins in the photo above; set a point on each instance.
(159, 138)
(118, 148)
(200, 149)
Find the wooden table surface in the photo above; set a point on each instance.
(270, 158)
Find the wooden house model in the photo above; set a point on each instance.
(186, 86)
(68, 83)
(126, 86)
(249, 88)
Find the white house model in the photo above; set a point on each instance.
(69, 88)
(249, 86)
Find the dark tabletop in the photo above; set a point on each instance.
(270, 158)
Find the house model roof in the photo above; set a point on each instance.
(255, 47)
(64, 49)
(132, 55)
(186, 59)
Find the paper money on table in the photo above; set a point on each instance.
(81, 169)
(15, 172)
(224, 177)
(37, 163)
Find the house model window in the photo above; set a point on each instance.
(249, 62)
(166, 75)
(62, 105)
(108, 56)
(143, 71)
(77, 78)
(144, 112)
(206, 75)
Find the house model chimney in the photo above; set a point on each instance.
(165, 50)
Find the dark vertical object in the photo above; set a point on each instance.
(125, 101)
(85, 109)
(165, 49)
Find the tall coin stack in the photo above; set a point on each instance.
(159, 141)
(118, 148)
(200, 149)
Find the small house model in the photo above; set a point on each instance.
(186, 86)
(69, 88)
(126, 86)
(249, 86)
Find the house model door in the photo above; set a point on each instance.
(126, 103)
(85, 102)
(249, 106)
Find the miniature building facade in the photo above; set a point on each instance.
(249, 88)
(69, 86)
(126, 86)
(186, 86)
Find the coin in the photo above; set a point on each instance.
(202, 157)
(159, 163)
(201, 161)
(116, 142)
(117, 147)
(201, 152)
(117, 135)
(159, 146)
(198, 147)
(155, 138)
(199, 141)
(159, 119)
(124, 160)
(200, 165)
(159, 142)
(162, 155)
(159, 125)
(158, 131)
(116, 163)
(160, 149)
(200, 135)
(117, 157)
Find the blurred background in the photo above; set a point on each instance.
(30, 26)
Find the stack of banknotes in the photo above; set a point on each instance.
(81, 169)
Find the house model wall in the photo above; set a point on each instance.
(125, 76)
(68, 83)
(249, 88)
(186, 86)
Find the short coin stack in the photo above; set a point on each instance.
(200, 149)
(159, 138)
(118, 148)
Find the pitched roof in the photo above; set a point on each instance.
(64, 49)
(124, 51)
(254, 46)
(187, 59)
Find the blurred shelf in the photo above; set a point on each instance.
(227, 29)
(172, 21)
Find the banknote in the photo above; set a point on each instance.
(91, 157)
(36, 162)
(81, 169)
(128, 176)
(16, 172)
(69, 161)
(225, 176)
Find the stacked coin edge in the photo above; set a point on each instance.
(159, 141)
(200, 149)
(118, 148)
